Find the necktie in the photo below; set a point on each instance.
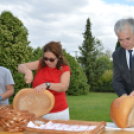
(130, 58)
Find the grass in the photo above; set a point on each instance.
(91, 107)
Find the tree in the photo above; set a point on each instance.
(108, 53)
(117, 45)
(103, 63)
(13, 41)
(107, 76)
(14, 47)
(104, 84)
(37, 53)
(89, 50)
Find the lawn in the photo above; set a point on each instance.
(91, 107)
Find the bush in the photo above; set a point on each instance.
(105, 82)
(105, 87)
(78, 81)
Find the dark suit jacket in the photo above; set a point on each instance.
(123, 78)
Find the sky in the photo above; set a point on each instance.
(65, 20)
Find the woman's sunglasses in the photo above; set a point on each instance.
(50, 59)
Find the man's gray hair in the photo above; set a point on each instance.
(121, 24)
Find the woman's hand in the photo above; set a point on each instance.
(40, 87)
(28, 76)
(26, 69)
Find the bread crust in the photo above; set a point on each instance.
(120, 110)
(39, 104)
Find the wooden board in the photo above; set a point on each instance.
(105, 132)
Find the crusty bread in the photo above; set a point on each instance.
(122, 111)
(39, 104)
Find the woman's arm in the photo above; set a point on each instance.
(27, 68)
(59, 87)
(23, 68)
(64, 83)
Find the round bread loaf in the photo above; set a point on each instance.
(39, 104)
(122, 111)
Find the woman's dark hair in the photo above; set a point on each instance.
(56, 49)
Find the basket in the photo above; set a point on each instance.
(14, 120)
(100, 127)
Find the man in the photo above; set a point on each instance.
(123, 73)
(6, 85)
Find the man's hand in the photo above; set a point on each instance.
(124, 95)
(132, 93)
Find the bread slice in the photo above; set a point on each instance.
(122, 111)
(39, 104)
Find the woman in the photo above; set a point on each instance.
(53, 74)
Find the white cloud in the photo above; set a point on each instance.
(65, 20)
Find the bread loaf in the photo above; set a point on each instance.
(38, 104)
(122, 111)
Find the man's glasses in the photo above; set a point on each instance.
(50, 59)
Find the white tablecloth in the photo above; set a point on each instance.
(112, 126)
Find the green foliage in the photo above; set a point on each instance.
(105, 87)
(14, 47)
(93, 60)
(13, 41)
(78, 81)
(107, 53)
(102, 63)
(89, 50)
(106, 77)
(104, 84)
(37, 54)
(117, 45)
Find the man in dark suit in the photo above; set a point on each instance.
(123, 62)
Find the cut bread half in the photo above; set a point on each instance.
(39, 104)
(122, 111)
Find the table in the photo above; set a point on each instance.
(111, 128)
(117, 132)
(105, 132)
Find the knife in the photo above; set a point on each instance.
(29, 84)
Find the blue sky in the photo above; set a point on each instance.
(65, 20)
(121, 2)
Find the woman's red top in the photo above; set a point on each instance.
(53, 75)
